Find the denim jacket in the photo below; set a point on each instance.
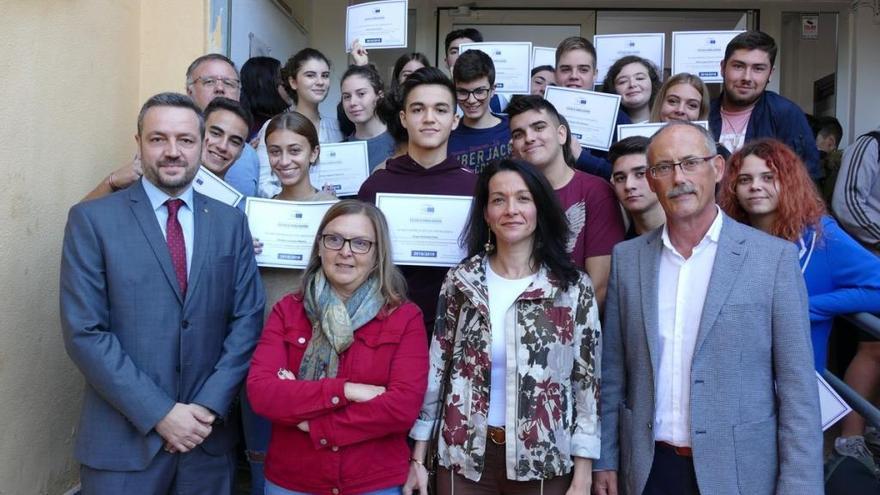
(553, 361)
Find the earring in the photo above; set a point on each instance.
(489, 247)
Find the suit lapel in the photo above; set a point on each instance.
(201, 240)
(649, 260)
(146, 218)
(729, 259)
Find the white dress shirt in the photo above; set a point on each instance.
(682, 288)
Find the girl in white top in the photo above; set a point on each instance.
(307, 75)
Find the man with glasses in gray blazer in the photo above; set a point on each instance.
(707, 377)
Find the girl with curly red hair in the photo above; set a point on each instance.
(767, 186)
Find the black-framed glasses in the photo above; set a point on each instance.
(228, 83)
(358, 245)
(688, 166)
(480, 94)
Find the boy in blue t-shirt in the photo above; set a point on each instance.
(481, 136)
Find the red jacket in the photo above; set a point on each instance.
(351, 447)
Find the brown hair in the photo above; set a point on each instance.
(392, 285)
(294, 122)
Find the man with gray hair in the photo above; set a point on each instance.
(207, 77)
(161, 308)
(707, 378)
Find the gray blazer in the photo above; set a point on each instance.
(140, 345)
(755, 424)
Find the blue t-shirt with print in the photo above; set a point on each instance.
(474, 148)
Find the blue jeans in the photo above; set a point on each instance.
(257, 431)
(273, 489)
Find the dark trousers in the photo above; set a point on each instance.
(671, 474)
(193, 473)
(494, 479)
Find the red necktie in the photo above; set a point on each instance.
(176, 243)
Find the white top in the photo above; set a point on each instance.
(681, 292)
(502, 294)
(269, 185)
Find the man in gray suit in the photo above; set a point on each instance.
(161, 307)
(707, 382)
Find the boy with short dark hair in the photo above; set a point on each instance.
(456, 38)
(429, 117)
(468, 35)
(629, 171)
(747, 110)
(539, 137)
(481, 136)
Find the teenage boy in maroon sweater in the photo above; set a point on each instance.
(594, 217)
(428, 115)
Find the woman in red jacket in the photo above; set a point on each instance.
(341, 368)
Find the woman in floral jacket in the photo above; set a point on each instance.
(517, 338)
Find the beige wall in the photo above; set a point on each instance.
(172, 34)
(73, 77)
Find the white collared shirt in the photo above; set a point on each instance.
(185, 215)
(681, 292)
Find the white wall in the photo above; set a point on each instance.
(808, 60)
(328, 35)
(270, 24)
(864, 74)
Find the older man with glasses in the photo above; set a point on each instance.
(707, 380)
(207, 77)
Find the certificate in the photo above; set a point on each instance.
(511, 74)
(832, 407)
(648, 129)
(592, 116)
(700, 53)
(612, 47)
(214, 187)
(377, 24)
(344, 166)
(286, 228)
(541, 55)
(425, 229)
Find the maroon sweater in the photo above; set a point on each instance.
(403, 175)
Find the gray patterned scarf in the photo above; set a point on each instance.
(334, 323)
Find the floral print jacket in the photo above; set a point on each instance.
(552, 386)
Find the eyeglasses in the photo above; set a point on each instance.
(480, 94)
(358, 245)
(214, 81)
(688, 166)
